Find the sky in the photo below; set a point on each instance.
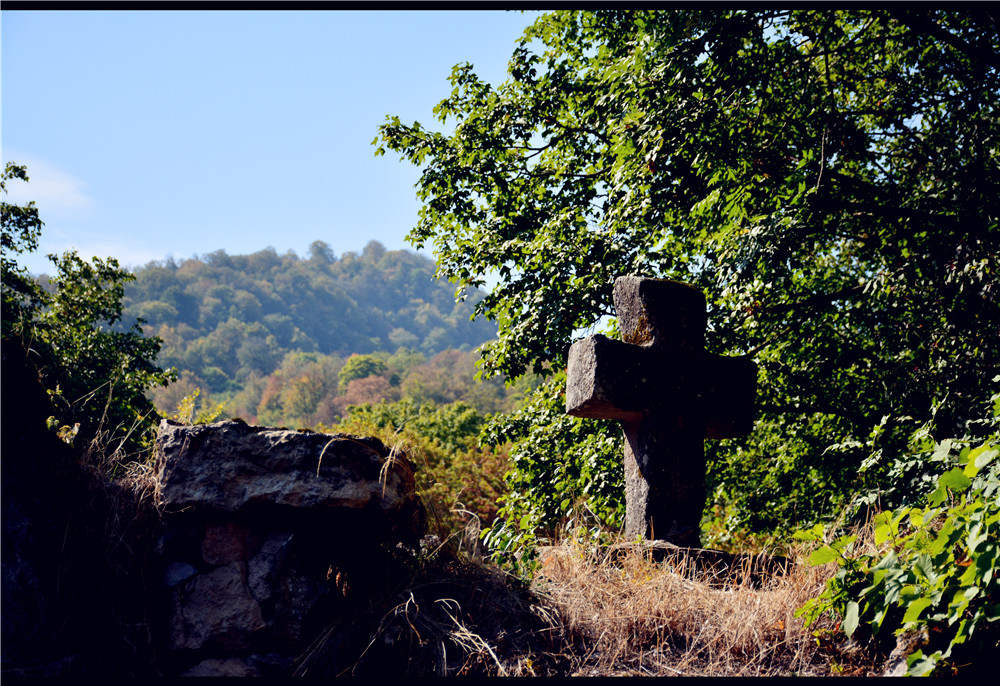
(156, 134)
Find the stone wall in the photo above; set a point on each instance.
(269, 536)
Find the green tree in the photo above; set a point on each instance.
(242, 314)
(360, 367)
(21, 230)
(829, 178)
(96, 370)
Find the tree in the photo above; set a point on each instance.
(321, 253)
(828, 178)
(369, 389)
(21, 230)
(360, 367)
(96, 370)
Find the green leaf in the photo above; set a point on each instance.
(939, 495)
(919, 664)
(982, 456)
(823, 555)
(914, 609)
(850, 618)
(813, 534)
(955, 479)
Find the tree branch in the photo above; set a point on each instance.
(921, 24)
(816, 300)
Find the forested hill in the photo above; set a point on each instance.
(224, 317)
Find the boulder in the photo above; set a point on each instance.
(216, 608)
(270, 536)
(239, 469)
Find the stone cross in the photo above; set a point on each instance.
(669, 395)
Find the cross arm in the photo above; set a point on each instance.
(597, 372)
(728, 396)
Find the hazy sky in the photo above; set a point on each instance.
(151, 133)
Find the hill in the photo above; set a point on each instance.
(269, 338)
(225, 317)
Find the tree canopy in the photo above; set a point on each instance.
(95, 364)
(829, 178)
(227, 317)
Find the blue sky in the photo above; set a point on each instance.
(150, 134)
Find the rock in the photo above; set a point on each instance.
(906, 643)
(235, 468)
(231, 666)
(271, 535)
(176, 572)
(215, 608)
(268, 565)
(228, 542)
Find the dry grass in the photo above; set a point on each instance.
(638, 616)
(452, 617)
(588, 613)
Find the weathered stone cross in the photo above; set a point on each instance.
(669, 395)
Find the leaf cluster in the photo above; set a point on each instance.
(96, 369)
(565, 475)
(935, 566)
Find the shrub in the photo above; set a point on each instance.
(458, 480)
(566, 473)
(95, 366)
(934, 568)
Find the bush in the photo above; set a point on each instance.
(566, 473)
(458, 480)
(934, 568)
(95, 367)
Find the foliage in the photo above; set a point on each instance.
(913, 475)
(96, 370)
(191, 411)
(305, 389)
(360, 367)
(228, 319)
(21, 230)
(458, 480)
(828, 178)
(565, 473)
(936, 564)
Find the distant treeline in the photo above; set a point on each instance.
(270, 333)
(224, 317)
(309, 389)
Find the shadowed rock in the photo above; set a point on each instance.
(234, 467)
(272, 534)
